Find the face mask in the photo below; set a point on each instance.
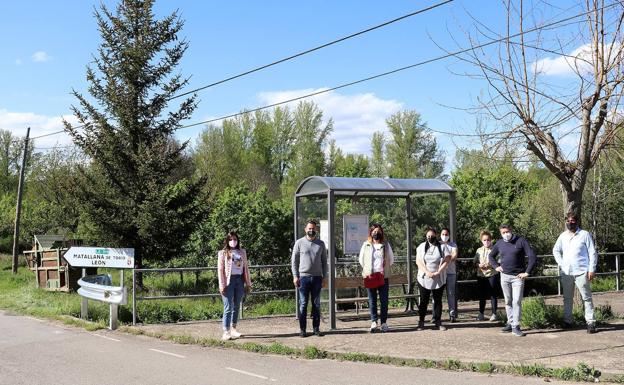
(311, 233)
(431, 240)
(571, 226)
(507, 237)
(233, 243)
(445, 238)
(377, 236)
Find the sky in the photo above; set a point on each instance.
(46, 46)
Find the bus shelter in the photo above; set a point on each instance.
(332, 188)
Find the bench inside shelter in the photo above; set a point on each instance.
(362, 296)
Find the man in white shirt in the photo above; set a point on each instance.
(577, 258)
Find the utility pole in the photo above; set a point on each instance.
(18, 208)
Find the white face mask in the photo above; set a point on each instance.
(233, 243)
(444, 238)
(507, 237)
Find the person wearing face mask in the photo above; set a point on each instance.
(577, 258)
(451, 273)
(513, 268)
(488, 279)
(233, 272)
(309, 269)
(376, 257)
(432, 259)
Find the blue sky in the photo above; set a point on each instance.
(46, 46)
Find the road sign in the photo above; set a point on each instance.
(100, 257)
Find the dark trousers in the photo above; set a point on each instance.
(488, 288)
(383, 302)
(310, 287)
(425, 294)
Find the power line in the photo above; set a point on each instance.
(438, 58)
(315, 48)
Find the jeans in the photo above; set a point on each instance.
(488, 286)
(231, 301)
(383, 302)
(310, 287)
(513, 290)
(567, 284)
(424, 302)
(451, 294)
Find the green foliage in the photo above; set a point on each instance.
(599, 284)
(537, 315)
(314, 353)
(412, 150)
(486, 197)
(137, 190)
(264, 228)
(273, 306)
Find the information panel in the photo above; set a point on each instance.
(355, 232)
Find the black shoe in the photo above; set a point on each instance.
(440, 327)
(318, 333)
(591, 328)
(302, 334)
(506, 329)
(567, 325)
(453, 319)
(421, 325)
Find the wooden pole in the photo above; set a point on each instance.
(18, 209)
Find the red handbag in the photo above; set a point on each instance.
(374, 280)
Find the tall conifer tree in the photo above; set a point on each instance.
(137, 189)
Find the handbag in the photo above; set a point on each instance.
(374, 280)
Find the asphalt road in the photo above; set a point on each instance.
(41, 352)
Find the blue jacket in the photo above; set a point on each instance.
(512, 256)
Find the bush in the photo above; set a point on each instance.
(536, 314)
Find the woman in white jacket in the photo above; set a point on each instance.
(376, 257)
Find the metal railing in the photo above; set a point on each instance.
(399, 260)
(617, 272)
(136, 298)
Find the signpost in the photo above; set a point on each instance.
(118, 258)
(100, 257)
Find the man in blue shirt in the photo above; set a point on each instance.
(513, 268)
(577, 258)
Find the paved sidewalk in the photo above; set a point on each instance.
(467, 340)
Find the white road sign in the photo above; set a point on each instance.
(100, 257)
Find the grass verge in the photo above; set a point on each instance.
(582, 372)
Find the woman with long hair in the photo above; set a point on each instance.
(233, 272)
(376, 257)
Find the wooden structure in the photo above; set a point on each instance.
(52, 272)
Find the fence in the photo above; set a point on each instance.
(617, 273)
(136, 298)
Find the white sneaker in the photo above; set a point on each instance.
(373, 326)
(234, 334)
(226, 336)
(384, 327)
(480, 317)
(494, 317)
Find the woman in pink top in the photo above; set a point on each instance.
(233, 271)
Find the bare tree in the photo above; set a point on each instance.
(552, 88)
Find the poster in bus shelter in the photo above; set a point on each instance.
(355, 232)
